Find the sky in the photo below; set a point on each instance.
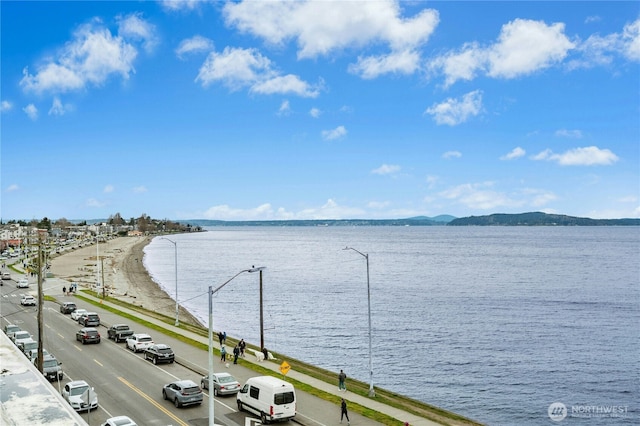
(270, 110)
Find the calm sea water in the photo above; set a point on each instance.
(494, 323)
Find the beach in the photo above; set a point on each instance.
(122, 272)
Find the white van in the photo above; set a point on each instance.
(269, 397)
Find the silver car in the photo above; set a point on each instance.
(183, 392)
(223, 384)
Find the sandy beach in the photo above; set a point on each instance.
(123, 274)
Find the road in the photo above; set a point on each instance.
(127, 384)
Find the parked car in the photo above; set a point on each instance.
(73, 393)
(27, 345)
(139, 342)
(183, 392)
(10, 329)
(51, 368)
(23, 283)
(88, 335)
(68, 307)
(89, 319)
(223, 384)
(119, 332)
(75, 315)
(28, 300)
(33, 355)
(119, 421)
(6, 275)
(159, 353)
(20, 336)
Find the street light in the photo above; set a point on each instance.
(372, 392)
(211, 292)
(175, 260)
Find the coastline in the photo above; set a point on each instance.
(123, 274)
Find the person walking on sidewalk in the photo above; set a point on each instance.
(341, 378)
(223, 354)
(236, 354)
(343, 412)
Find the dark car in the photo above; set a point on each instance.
(159, 353)
(90, 319)
(88, 335)
(183, 392)
(67, 307)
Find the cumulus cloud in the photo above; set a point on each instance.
(484, 196)
(239, 68)
(315, 112)
(323, 28)
(456, 111)
(6, 106)
(12, 188)
(586, 156)
(333, 134)
(31, 111)
(515, 153)
(329, 210)
(92, 202)
(523, 47)
(180, 5)
(57, 108)
(195, 44)
(91, 57)
(386, 169)
(285, 108)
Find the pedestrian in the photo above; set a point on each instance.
(242, 345)
(64, 290)
(236, 354)
(343, 412)
(341, 378)
(220, 338)
(223, 354)
(224, 337)
(265, 352)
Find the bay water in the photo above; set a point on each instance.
(499, 324)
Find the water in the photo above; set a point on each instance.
(494, 323)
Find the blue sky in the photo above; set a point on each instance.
(319, 109)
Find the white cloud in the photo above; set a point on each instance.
(315, 112)
(333, 134)
(135, 28)
(479, 196)
(285, 108)
(57, 108)
(180, 5)
(12, 188)
(456, 111)
(195, 44)
(432, 181)
(405, 62)
(378, 205)
(386, 169)
(523, 47)
(31, 111)
(139, 189)
(515, 153)
(239, 68)
(322, 28)
(108, 189)
(451, 154)
(587, 156)
(329, 210)
(631, 40)
(571, 134)
(91, 57)
(6, 106)
(92, 202)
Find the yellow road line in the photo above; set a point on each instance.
(153, 402)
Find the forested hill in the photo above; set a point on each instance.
(521, 219)
(538, 219)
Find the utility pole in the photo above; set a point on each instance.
(40, 304)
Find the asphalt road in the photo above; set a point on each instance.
(127, 384)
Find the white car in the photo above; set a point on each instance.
(21, 336)
(139, 342)
(28, 300)
(75, 315)
(23, 283)
(119, 421)
(77, 392)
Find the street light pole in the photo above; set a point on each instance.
(211, 292)
(372, 392)
(175, 262)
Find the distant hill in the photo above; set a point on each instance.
(538, 219)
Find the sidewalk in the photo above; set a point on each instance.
(400, 415)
